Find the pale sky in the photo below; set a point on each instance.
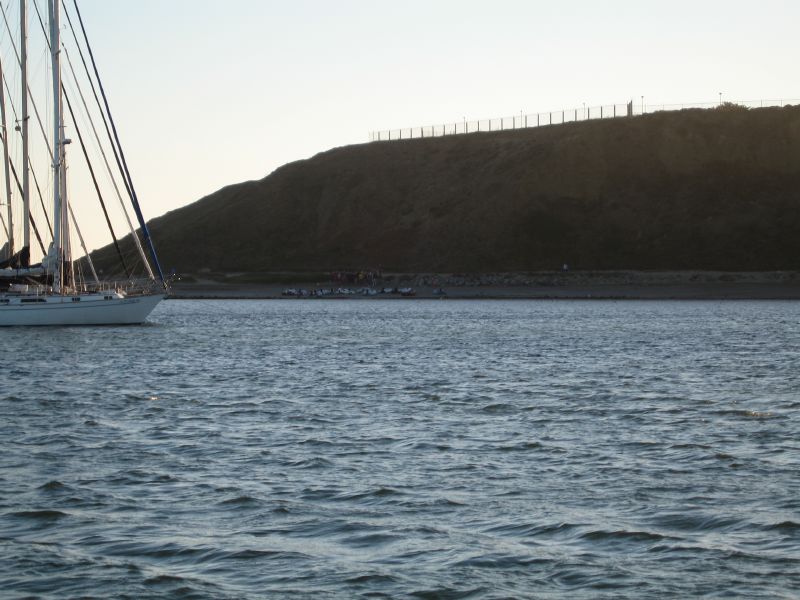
(209, 93)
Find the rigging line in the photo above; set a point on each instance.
(44, 135)
(96, 186)
(30, 215)
(36, 112)
(88, 164)
(31, 96)
(4, 8)
(136, 207)
(108, 167)
(134, 234)
(96, 98)
(3, 221)
(33, 223)
(32, 171)
(10, 228)
(111, 176)
(41, 201)
(38, 118)
(13, 108)
(83, 245)
(97, 136)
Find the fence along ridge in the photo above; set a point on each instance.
(557, 117)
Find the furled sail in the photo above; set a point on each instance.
(20, 260)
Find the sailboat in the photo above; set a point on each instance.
(59, 290)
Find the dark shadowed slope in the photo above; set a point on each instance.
(698, 189)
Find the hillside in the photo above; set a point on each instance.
(696, 189)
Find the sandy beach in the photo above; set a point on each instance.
(617, 285)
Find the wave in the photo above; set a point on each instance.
(499, 408)
(371, 496)
(371, 579)
(371, 540)
(529, 530)
(624, 535)
(52, 486)
(750, 414)
(316, 462)
(39, 515)
(243, 501)
(788, 527)
(698, 522)
(450, 593)
(159, 580)
(519, 447)
(502, 561)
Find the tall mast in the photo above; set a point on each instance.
(26, 185)
(58, 209)
(66, 240)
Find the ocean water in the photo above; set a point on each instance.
(405, 449)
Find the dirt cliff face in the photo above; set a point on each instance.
(697, 189)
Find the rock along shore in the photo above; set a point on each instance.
(685, 285)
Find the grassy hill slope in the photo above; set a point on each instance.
(696, 189)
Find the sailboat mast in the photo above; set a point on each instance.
(58, 218)
(66, 241)
(26, 185)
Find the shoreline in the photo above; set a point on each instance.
(596, 285)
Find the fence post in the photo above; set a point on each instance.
(523, 121)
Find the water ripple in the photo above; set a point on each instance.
(364, 449)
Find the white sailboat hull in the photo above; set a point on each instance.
(85, 309)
